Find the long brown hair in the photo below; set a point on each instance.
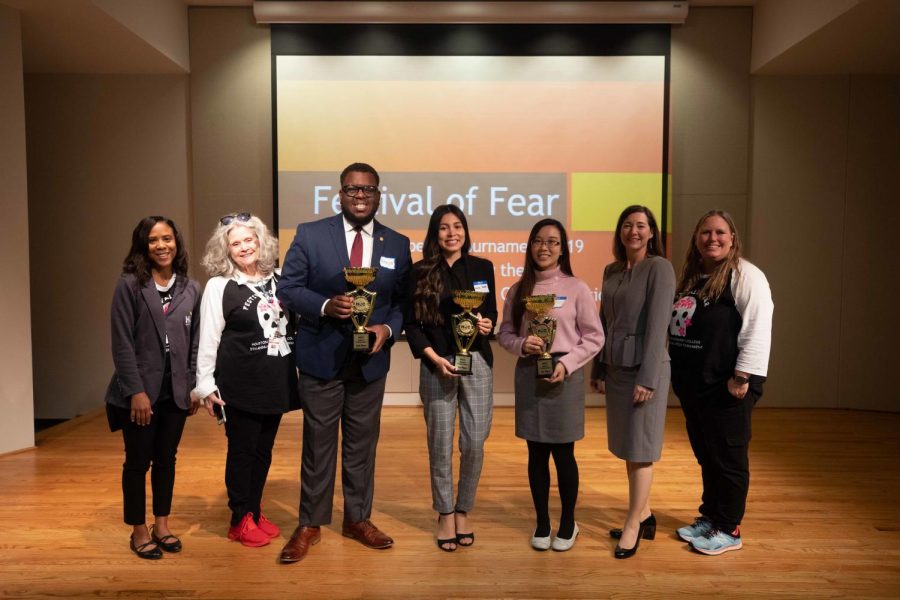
(526, 284)
(692, 271)
(430, 284)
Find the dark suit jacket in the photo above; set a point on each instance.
(313, 273)
(139, 330)
(440, 337)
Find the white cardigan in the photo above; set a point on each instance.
(753, 300)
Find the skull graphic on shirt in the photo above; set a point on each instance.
(271, 318)
(682, 312)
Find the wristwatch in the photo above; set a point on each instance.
(740, 379)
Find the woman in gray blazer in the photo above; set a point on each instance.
(632, 369)
(154, 346)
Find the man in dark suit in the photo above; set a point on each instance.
(340, 387)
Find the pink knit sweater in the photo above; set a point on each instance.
(578, 333)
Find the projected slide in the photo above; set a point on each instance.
(510, 140)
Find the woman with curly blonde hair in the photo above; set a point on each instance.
(245, 363)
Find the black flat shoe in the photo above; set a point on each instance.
(647, 530)
(142, 552)
(649, 533)
(169, 543)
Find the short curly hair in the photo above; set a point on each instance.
(216, 259)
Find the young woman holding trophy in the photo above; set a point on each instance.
(550, 322)
(451, 315)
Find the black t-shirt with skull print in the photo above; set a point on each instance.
(703, 342)
(247, 373)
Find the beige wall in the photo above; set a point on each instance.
(781, 24)
(103, 152)
(16, 391)
(870, 321)
(799, 181)
(825, 161)
(162, 23)
(231, 118)
(710, 116)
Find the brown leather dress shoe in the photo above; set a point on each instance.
(367, 534)
(301, 540)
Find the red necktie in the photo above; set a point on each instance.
(356, 250)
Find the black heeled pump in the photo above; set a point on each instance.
(646, 530)
(649, 523)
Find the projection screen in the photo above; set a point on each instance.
(509, 139)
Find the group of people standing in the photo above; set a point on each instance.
(263, 342)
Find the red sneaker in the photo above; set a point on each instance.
(268, 527)
(247, 533)
(234, 532)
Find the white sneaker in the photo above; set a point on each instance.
(563, 544)
(540, 543)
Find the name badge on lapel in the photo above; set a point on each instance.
(481, 286)
(387, 262)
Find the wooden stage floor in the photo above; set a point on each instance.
(822, 519)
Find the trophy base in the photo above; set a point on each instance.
(362, 341)
(463, 364)
(545, 367)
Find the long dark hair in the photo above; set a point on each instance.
(526, 284)
(692, 271)
(138, 262)
(653, 244)
(430, 285)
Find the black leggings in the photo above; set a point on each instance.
(250, 440)
(567, 482)
(150, 447)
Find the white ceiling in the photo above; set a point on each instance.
(75, 36)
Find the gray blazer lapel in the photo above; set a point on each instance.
(151, 297)
(178, 295)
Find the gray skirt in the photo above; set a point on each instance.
(635, 431)
(552, 413)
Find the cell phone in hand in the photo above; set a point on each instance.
(219, 411)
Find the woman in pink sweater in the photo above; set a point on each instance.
(550, 411)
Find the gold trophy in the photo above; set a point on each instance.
(465, 328)
(544, 327)
(363, 303)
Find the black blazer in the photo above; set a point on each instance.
(139, 329)
(440, 337)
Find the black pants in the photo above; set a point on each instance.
(250, 440)
(151, 447)
(567, 481)
(718, 426)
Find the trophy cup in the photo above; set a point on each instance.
(465, 328)
(544, 327)
(363, 303)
